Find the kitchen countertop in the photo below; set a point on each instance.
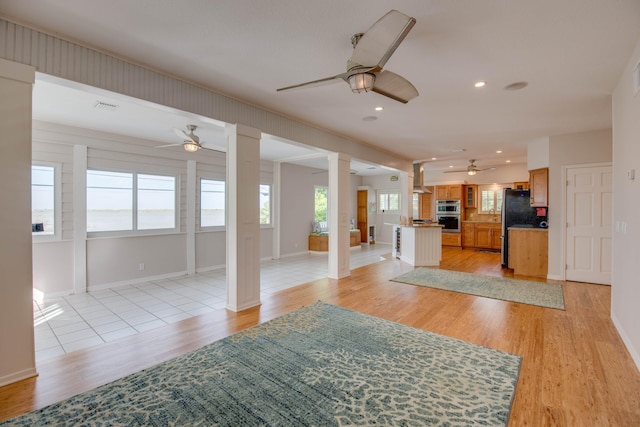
(515, 227)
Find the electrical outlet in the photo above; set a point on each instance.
(141, 266)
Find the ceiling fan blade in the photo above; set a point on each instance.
(216, 149)
(182, 135)
(394, 86)
(459, 170)
(320, 82)
(383, 38)
(168, 145)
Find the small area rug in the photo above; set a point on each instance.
(320, 365)
(542, 294)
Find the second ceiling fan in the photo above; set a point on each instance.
(472, 169)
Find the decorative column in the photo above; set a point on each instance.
(243, 217)
(338, 217)
(17, 351)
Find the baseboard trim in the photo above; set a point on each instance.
(627, 342)
(136, 281)
(18, 376)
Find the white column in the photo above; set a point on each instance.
(338, 217)
(17, 351)
(406, 194)
(275, 208)
(190, 222)
(79, 219)
(243, 217)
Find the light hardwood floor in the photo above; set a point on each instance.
(575, 369)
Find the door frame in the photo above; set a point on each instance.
(565, 168)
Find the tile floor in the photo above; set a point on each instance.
(69, 323)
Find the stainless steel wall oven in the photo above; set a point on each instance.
(450, 222)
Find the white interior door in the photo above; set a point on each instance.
(589, 217)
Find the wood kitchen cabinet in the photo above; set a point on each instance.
(468, 235)
(449, 192)
(539, 185)
(528, 251)
(483, 235)
(451, 239)
(425, 207)
(488, 236)
(470, 194)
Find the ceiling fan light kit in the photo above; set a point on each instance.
(191, 147)
(361, 82)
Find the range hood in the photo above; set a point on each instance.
(418, 179)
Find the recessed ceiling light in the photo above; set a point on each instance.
(379, 108)
(450, 166)
(516, 86)
(370, 118)
(508, 161)
(480, 84)
(433, 158)
(498, 151)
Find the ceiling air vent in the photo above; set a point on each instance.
(105, 106)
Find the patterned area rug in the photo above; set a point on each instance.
(320, 365)
(548, 295)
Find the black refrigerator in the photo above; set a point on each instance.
(517, 212)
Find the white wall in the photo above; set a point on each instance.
(625, 290)
(115, 259)
(564, 150)
(297, 206)
(17, 357)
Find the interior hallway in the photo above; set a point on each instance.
(73, 322)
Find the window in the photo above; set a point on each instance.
(156, 202)
(123, 201)
(416, 205)
(43, 200)
(321, 203)
(389, 201)
(212, 203)
(265, 204)
(490, 199)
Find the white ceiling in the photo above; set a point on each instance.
(571, 53)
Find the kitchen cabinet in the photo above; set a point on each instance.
(539, 186)
(522, 185)
(449, 192)
(528, 251)
(484, 235)
(451, 239)
(425, 207)
(470, 194)
(488, 235)
(468, 235)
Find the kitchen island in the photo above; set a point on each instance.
(418, 245)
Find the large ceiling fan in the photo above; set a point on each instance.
(191, 141)
(371, 51)
(472, 169)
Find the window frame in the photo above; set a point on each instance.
(57, 203)
(315, 190)
(495, 188)
(270, 223)
(134, 211)
(211, 227)
(387, 194)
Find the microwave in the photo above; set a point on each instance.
(448, 206)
